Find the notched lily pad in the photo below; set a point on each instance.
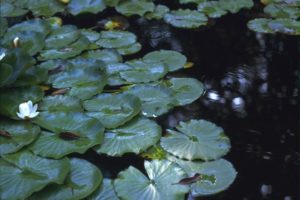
(56, 144)
(14, 135)
(132, 184)
(196, 139)
(60, 103)
(135, 7)
(105, 55)
(105, 192)
(134, 137)
(116, 39)
(45, 8)
(77, 7)
(24, 173)
(82, 180)
(113, 110)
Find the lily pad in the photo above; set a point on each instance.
(185, 18)
(18, 135)
(113, 110)
(60, 103)
(105, 55)
(134, 137)
(130, 49)
(173, 59)
(282, 11)
(132, 184)
(77, 7)
(158, 12)
(116, 39)
(216, 176)
(11, 9)
(211, 9)
(113, 71)
(82, 180)
(234, 6)
(37, 25)
(144, 71)
(72, 50)
(185, 90)
(196, 139)
(70, 132)
(3, 25)
(62, 37)
(104, 192)
(33, 76)
(11, 98)
(156, 100)
(24, 173)
(45, 8)
(135, 7)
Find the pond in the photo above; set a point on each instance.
(250, 84)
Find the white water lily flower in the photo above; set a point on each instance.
(2, 55)
(27, 110)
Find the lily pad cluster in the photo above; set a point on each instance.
(90, 96)
(282, 17)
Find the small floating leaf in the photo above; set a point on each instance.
(105, 55)
(104, 192)
(76, 7)
(135, 7)
(116, 39)
(185, 18)
(158, 13)
(132, 184)
(196, 139)
(45, 8)
(130, 49)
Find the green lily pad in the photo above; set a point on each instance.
(113, 71)
(19, 135)
(105, 55)
(62, 37)
(185, 18)
(282, 11)
(111, 3)
(130, 49)
(135, 7)
(285, 26)
(156, 100)
(113, 110)
(173, 59)
(72, 50)
(37, 25)
(3, 25)
(70, 132)
(60, 103)
(134, 137)
(104, 192)
(11, 98)
(144, 71)
(216, 175)
(234, 6)
(212, 9)
(92, 36)
(83, 179)
(116, 39)
(196, 139)
(77, 7)
(11, 9)
(33, 76)
(55, 64)
(158, 12)
(24, 173)
(45, 8)
(191, 1)
(132, 184)
(185, 90)
(13, 64)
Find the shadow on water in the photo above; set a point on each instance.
(251, 91)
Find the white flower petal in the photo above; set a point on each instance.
(20, 115)
(32, 115)
(29, 103)
(34, 108)
(24, 109)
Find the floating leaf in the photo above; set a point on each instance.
(33, 76)
(131, 49)
(62, 37)
(37, 25)
(135, 7)
(116, 39)
(15, 135)
(234, 6)
(11, 9)
(82, 180)
(282, 11)
(113, 71)
(173, 59)
(11, 98)
(106, 55)
(185, 18)
(45, 8)
(132, 184)
(104, 192)
(212, 9)
(156, 100)
(24, 173)
(51, 144)
(143, 71)
(134, 137)
(185, 90)
(113, 110)
(77, 7)
(196, 139)
(158, 12)
(60, 103)
(3, 25)
(216, 176)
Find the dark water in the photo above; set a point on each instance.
(251, 82)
